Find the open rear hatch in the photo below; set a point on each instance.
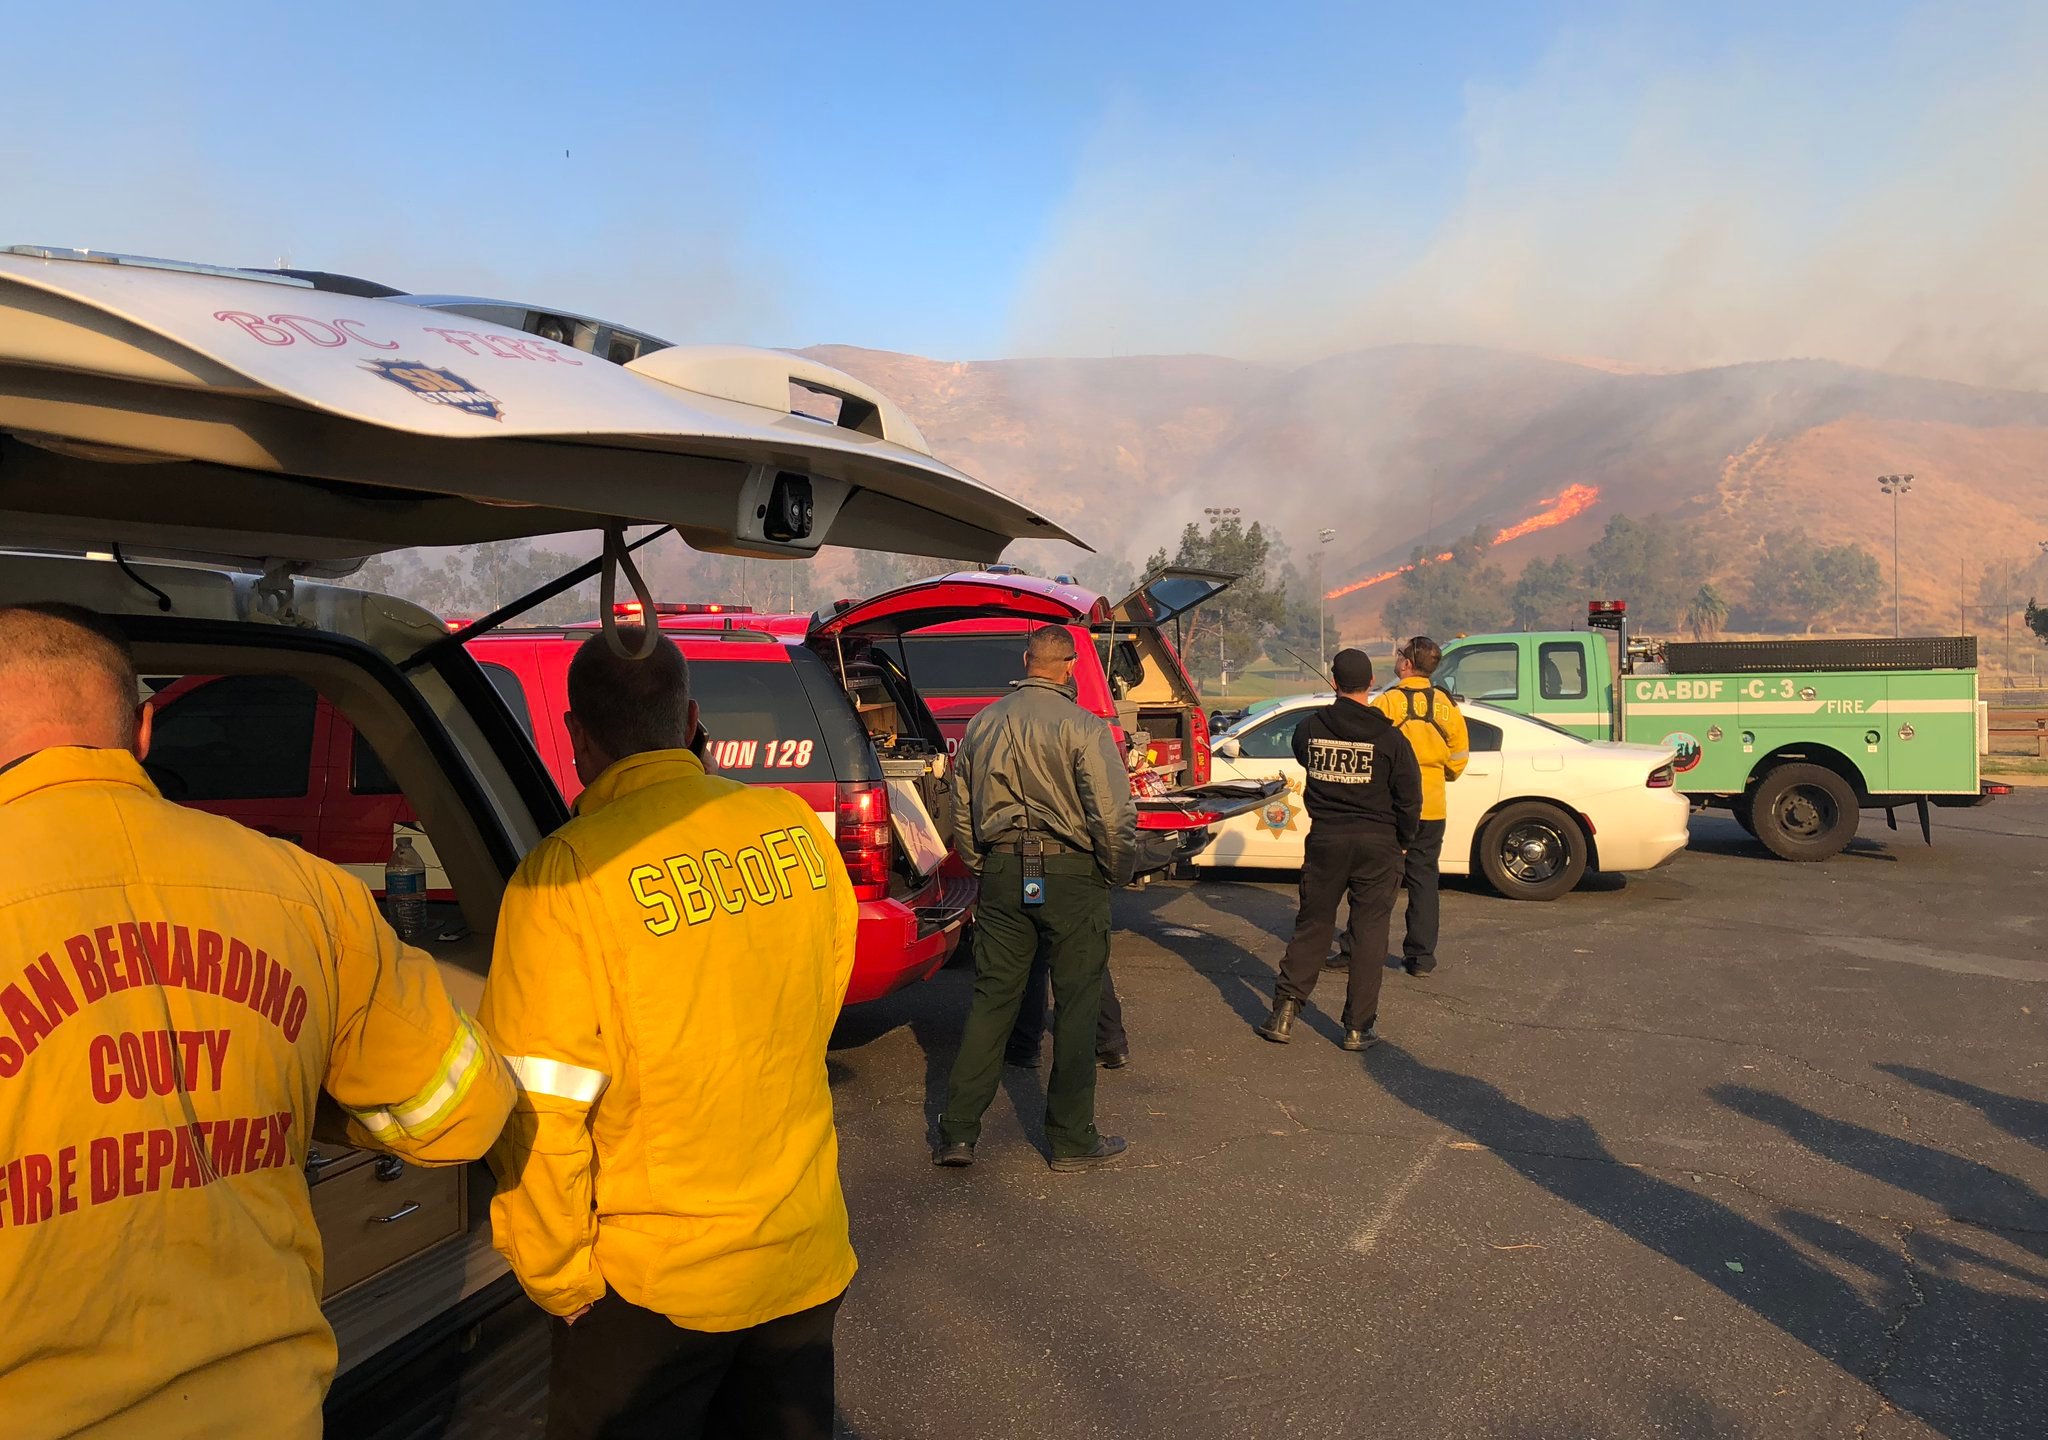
(969, 595)
(1167, 594)
(251, 420)
(1161, 597)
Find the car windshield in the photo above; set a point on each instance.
(1261, 711)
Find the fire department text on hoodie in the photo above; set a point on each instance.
(1362, 774)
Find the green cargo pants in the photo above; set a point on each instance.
(1074, 922)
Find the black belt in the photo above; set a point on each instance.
(1012, 843)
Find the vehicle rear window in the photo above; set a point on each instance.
(960, 664)
(763, 725)
(237, 737)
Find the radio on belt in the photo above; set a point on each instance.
(1031, 852)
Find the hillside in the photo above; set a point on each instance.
(1411, 445)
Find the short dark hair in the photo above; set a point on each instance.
(1352, 672)
(54, 630)
(631, 706)
(1424, 654)
(1050, 645)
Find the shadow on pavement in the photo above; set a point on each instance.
(1733, 841)
(2021, 1118)
(1671, 1412)
(1224, 963)
(935, 1014)
(1968, 1191)
(1977, 1392)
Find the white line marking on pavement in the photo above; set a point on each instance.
(1365, 1240)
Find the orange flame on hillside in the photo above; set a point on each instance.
(1571, 501)
(1568, 502)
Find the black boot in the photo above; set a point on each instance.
(1279, 1026)
(1109, 1150)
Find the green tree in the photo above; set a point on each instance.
(477, 579)
(1798, 584)
(1111, 575)
(1296, 640)
(1707, 614)
(1463, 595)
(1547, 595)
(877, 571)
(1648, 563)
(1844, 584)
(2037, 619)
(1779, 580)
(1229, 632)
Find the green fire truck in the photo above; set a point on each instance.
(1794, 737)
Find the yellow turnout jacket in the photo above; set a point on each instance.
(175, 991)
(669, 967)
(1430, 722)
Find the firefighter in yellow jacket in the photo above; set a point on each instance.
(669, 966)
(175, 992)
(1435, 730)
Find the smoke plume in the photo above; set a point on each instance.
(1860, 187)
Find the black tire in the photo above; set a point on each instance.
(1743, 808)
(1805, 812)
(1532, 850)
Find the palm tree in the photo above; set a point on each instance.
(1707, 613)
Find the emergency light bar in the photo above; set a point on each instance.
(627, 608)
(1607, 615)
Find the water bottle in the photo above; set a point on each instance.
(405, 891)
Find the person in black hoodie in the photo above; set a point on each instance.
(1364, 798)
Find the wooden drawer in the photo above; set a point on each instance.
(375, 1211)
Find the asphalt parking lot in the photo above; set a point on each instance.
(1738, 1148)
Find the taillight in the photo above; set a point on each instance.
(864, 840)
(1199, 765)
(1663, 778)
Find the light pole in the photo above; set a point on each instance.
(1217, 515)
(1323, 539)
(1895, 486)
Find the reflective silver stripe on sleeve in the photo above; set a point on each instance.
(377, 1122)
(538, 1075)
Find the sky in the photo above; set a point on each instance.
(1656, 185)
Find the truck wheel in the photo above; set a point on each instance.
(1532, 851)
(1805, 812)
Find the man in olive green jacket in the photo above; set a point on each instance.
(1048, 822)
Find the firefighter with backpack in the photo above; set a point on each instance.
(1429, 720)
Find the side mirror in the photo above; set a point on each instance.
(1227, 749)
